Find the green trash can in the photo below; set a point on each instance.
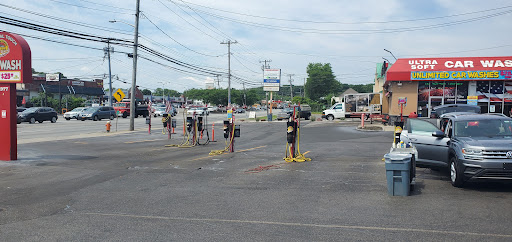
(398, 173)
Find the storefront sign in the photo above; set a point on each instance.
(461, 75)
(473, 100)
(451, 68)
(402, 100)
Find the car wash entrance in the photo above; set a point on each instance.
(426, 83)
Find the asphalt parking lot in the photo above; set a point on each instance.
(128, 186)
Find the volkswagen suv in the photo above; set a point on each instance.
(472, 146)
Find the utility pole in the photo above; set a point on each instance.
(107, 52)
(305, 87)
(229, 42)
(291, 88)
(245, 101)
(218, 81)
(134, 72)
(265, 66)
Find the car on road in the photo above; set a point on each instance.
(98, 113)
(212, 109)
(38, 114)
(198, 111)
(284, 114)
(472, 146)
(160, 111)
(239, 110)
(73, 114)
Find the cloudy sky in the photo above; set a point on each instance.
(351, 35)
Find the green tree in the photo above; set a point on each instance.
(321, 81)
(146, 92)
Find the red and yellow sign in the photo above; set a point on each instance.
(15, 67)
(15, 59)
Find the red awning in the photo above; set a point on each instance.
(451, 69)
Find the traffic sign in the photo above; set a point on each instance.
(119, 95)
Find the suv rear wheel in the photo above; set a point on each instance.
(111, 117)
(456, 173)
(54, 119)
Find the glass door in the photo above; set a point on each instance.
(434, 101)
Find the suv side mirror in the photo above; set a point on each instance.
(438, 134)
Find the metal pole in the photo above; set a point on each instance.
(134, 73)
(109, 77)
(304, 87)
(291, 88)
(229, 69)
(229, 74)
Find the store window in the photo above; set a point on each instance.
(423, 95)
(462, 92)
(449, 91)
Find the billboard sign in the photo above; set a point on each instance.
(271, 80)
(52, 77)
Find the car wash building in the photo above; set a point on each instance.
(420, 84)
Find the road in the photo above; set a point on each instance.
(73, 129)
(129, 186)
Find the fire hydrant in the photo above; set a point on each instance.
(108, 126)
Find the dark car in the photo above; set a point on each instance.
(472, 146)
(97, 113)
(450, 108)
(38, 114)
(239, 110)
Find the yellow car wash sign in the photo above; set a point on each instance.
(119, 95)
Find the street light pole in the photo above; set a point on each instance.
(134, 72)
(390, 53)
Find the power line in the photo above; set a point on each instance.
(97, 27)
(177, 41)
(357, 31)
(95, 9)
(348, 23)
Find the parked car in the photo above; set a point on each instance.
(38, 114)
(472, 146)
(239, 110)
(97, 113)
(450, 108)
(73, 114)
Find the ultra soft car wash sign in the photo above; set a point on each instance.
(461, 68)
(15, 67)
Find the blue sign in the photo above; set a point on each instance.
(271, 80)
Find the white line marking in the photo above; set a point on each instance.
(302, 224)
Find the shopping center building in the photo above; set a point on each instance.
(419, 84)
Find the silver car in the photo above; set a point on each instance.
(472, 146)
